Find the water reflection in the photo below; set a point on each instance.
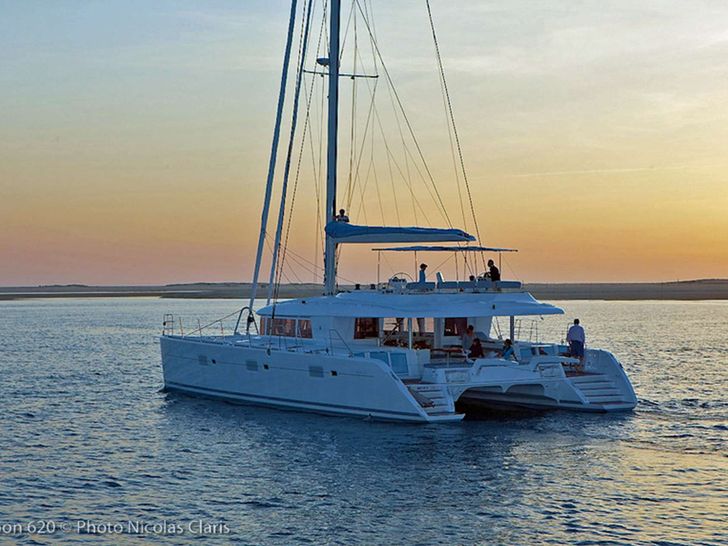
(86, 434)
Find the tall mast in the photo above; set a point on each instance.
(330, 211)
(272, 161)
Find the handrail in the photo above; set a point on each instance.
(551, 360)
(199, 329)
(251, 318)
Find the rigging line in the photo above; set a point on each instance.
(394, 189)
(408, 184)
(304, 260)
(452, 120)
(299, 79)
(376, 179)
(316, 172)
(407, 155)
(404, 174)
(317, 184)
(406, 119)
(390, 156)
(346, 34)
(270, 249)
(273, 158)
(309, 102)
(443, 262)
(301, 264)
(297, 177)
(508, 265)
(372, 87)
(408, 179)
(454, 159)
(363, 141)
(320, 166)
(302, 48)
(392, 271)
(362, 187)
(369, 16)
(352, 128)
(318, 239)
(362, 204)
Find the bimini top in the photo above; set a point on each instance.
(382, 305)
(444, 249)
(343, 232)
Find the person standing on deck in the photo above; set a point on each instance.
(576, 339)
(468, 338)
(493, 271)
(423, 273)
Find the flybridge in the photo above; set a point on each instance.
(380, 304)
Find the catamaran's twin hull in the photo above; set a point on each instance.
(367, 388)
(317, 383)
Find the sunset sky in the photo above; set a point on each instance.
(134, 136)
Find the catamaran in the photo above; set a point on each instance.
(391, 350)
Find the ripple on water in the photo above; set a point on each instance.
(88, 435)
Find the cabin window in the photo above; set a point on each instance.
(380, 355)
(455, 326)
(423, 325)
(395, 325)
(304, 328)
(365, 328)
(399, 363)
(263, 326)
(283, 327)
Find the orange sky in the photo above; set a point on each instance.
(134, 140)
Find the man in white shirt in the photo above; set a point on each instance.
(576, 339)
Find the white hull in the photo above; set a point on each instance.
(362, 388)
(340, 384)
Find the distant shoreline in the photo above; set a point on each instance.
(705, 289)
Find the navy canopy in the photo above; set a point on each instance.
(445, 249)
(343, 232)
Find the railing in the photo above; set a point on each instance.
(172, 326)
(450, 357)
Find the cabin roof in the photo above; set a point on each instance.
(382, 305)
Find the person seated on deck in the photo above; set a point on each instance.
(468, 337)
(342, 217)
(493, 272)
(507, 353)
(476, 349)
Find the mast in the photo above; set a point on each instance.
(287, 170)
(331, 147)
(272, 162)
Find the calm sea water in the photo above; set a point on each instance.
(87, 437)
